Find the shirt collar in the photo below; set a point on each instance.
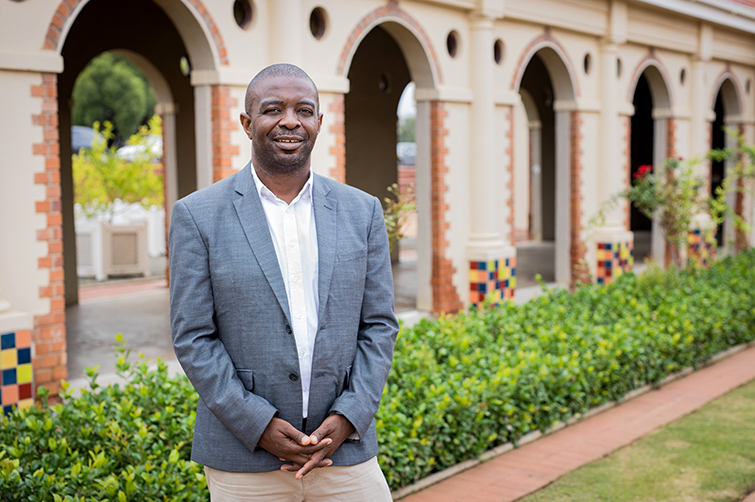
(304, 194)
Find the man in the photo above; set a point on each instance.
(282, 313)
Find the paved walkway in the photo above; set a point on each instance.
(527, 469)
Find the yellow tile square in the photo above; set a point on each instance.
(25, 403)
(23, 373)
(8, 359)
(473, 276)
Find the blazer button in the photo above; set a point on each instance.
(293, 377)
(288, 329)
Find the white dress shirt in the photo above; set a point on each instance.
(292, 227)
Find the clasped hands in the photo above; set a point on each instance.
(305, 452)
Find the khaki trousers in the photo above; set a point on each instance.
(354, 483)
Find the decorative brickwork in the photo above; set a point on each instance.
(627, 168)
(670, 138)
(15, 371)
(577, 248)
(541, 42)
(445, 296)
(614, 259)
(66, 8)
(510, 174)
(49, 334)
(739, 207)
(389, 12)
(496, 278)
(702, 247)
(222, 125)
(337, 111)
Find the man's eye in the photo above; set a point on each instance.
(306, 111)
(271, 110)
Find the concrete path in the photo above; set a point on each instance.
(535, 465)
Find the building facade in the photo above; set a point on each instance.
(530, 114)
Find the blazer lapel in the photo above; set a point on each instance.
(325, 222)
(253, 221)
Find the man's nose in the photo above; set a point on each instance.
(289, 119)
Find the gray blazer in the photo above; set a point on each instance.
(231, 323)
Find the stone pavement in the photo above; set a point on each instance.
(524, 470)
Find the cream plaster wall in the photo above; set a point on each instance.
(458, 194)
(20, 278)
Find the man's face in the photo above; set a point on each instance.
(283, 122)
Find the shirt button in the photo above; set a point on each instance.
(298, 316)
(291, 244)
(301, 352)
(288, 329)
(293, 377)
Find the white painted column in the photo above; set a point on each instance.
(491, 255)
(536, 177)
(286, 31)
(657, 239)
(203, 131)
(562, 269)
(486, 241)
(167, 112)
(422, 196)
(612, 176)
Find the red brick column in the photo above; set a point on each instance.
(222, 125)
(337, 111)
(577, 250)
(510, 174)
(627, 168)
(49, 333)
(445, 296)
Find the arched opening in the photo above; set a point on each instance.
(641, 154)
(547, 97)
(386, 61)
(727, 111)
(145, 33)
(648, 146)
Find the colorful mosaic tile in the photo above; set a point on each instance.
(15, 371)
(702, 247)
(496, 278)
(614, 258)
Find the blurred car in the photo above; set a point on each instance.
(83, 137)
(406, 153)
(131, 152)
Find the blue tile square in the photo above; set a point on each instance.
(483, 265)
(482, 288)
(7, 341)
(513, 272)
(24, 356)
(9, 376)
(8, 409)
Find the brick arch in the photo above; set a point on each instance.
(658, 79)
(561, 65)
(65, 14)
(733, 101)
(389, 12)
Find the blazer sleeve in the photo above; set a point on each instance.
(201, 353)
(378, 327)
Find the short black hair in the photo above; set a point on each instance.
(277, 70)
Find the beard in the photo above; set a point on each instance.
(273, 160)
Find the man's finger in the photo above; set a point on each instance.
(295, 467)
(313, 462)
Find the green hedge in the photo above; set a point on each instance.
(459, 386)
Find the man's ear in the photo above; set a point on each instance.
(246, 123)
(319, 123)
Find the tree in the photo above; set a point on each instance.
(100, 176)
(112, 89)
(406, 129)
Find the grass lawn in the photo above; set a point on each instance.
(708, 455)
